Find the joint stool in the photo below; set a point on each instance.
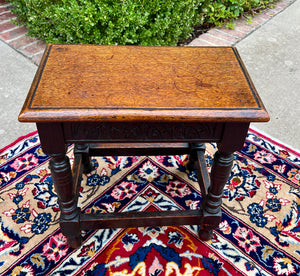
(133, 100)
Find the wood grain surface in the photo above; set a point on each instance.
(88, 83)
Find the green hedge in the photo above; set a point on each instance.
(224, 11)
(138, 22)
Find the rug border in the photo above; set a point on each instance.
(274, 140)
(18, 140)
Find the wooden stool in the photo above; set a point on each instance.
(127, 100)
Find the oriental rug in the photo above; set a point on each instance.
(259, 233)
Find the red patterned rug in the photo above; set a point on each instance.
(259, 233)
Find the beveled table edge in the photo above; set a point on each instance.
(123, 115)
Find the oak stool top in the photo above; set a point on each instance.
(130, 83)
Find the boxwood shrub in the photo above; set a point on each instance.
(137, 22)
(143, 22)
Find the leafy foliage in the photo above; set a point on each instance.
(224, 11)
(137, 22)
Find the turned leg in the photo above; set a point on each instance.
(54, 144)
(63, 182)
(211, 207)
